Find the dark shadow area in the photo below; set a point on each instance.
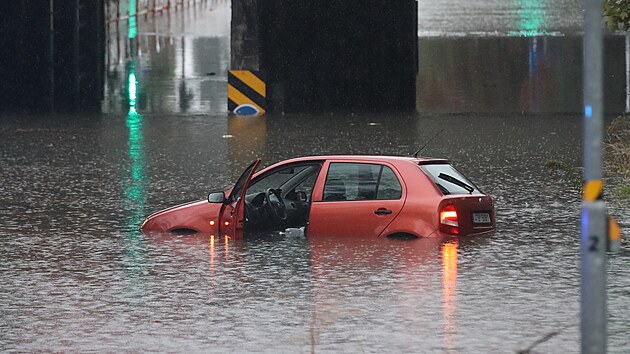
(330, 56)
(52, 55)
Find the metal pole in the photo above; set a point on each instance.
(594, 219)
(627, 71)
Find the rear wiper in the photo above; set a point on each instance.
(455, 181)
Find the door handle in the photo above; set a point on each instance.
(382, 211)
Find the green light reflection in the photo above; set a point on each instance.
(135, 191)
(133, 19)
(132, 84)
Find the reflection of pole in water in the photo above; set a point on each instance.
(449, 281)
(533, 56)
(184, 95)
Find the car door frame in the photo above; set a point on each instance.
(232, 213)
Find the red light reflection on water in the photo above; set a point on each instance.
(449, 283)
(212, 255)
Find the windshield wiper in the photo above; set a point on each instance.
(455, 181)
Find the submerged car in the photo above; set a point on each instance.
(362, 196)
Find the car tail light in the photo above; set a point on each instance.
(449, 222)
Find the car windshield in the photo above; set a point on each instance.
(449, 180)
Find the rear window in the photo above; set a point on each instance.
(449, 180)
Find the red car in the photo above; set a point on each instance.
(362, 196)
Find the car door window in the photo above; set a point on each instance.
(275, 179)
(389, 187)
(361, 181)
(307, 185)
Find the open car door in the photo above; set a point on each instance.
(232, 216)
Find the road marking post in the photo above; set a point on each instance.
(247, 92)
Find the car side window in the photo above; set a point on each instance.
(389, 187)
(360, 181)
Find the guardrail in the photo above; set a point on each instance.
(120, 10)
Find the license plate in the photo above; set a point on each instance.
(481, 218)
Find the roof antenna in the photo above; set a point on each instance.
(415, 154)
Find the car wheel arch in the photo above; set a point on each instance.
(402, 236)
(183, 231)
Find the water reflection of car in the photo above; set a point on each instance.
(363, 196)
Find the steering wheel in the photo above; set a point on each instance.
(275, 204)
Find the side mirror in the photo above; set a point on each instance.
(216, 197)
(300, 196)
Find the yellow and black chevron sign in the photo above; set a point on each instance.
(593, 190)
(247, 92)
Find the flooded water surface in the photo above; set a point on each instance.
(78, 275)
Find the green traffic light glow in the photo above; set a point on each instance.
(531, 19)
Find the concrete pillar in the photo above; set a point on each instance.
(245, 46)
(329, 55)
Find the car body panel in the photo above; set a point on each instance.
(330, 218)
(193, 216)
(420, 212)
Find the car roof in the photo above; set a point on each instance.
(372, 158)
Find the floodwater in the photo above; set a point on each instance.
(78, 275)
